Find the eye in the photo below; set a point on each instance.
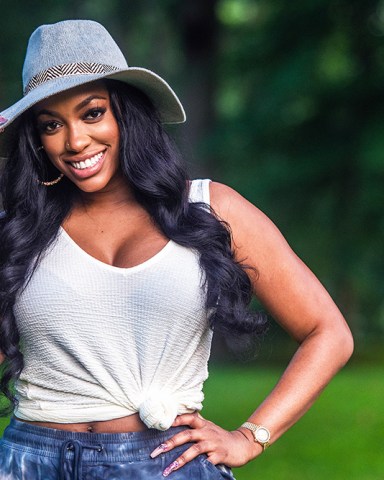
(94, 113)
(48, 127)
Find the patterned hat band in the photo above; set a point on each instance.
(66, 70)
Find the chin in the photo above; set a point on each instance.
(92, 186)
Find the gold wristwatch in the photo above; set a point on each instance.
(261, 434)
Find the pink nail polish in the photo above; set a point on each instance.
(170, 469)
(160, 449)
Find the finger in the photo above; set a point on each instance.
(194, 420)
(158, 450)
(187, 456)
(186, 436)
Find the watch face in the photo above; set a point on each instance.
(262, 435)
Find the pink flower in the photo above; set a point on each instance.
(3, 120)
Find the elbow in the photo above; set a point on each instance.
(336, 342)
(344, 345)
(350, 346)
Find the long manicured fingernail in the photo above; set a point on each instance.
(160, 449)
(170, 469)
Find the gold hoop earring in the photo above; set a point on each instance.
(52, 182)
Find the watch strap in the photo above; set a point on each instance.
(254, 428)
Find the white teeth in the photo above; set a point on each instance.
(90, 162)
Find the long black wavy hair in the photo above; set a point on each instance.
(153, 169)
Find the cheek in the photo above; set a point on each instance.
(110, 134)
(109, 129)
(52, 151)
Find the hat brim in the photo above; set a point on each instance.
(159, 92)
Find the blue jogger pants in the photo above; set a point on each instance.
(28, 452)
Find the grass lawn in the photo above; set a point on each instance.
(340, 438)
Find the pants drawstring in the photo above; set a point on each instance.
(77, 448)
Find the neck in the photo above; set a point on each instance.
(117, 194)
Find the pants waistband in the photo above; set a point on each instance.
(114, 447)
(74, 448)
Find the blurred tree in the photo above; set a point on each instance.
(301, 109)
(198, 29)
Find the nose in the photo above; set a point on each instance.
(76, 140)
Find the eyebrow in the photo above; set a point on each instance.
(78, 107)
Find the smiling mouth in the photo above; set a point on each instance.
(90, 162)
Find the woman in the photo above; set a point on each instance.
(115, 269)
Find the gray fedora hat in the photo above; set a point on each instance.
(73, 52)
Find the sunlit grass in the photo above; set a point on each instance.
(340, 437)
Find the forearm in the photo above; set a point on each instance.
(321, 354)
(316, 361)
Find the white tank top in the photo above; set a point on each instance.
(102, 342)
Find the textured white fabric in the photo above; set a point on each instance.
(101, 342)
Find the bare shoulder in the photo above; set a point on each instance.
(256, 240)
(228, 203)
(223, 197)
(249, 225)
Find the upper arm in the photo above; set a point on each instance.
(282, 282)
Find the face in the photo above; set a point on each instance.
(80, 136)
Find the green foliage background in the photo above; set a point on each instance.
(285, 102)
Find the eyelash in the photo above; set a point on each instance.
(51, 125)
(98, 110)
